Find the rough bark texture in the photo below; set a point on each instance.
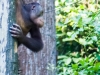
(8, 48)
(3, 37)
(43, 62)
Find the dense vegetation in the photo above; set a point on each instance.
(78, 37)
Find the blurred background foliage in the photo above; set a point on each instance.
(78, 37)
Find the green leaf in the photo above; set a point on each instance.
(69, 33)
(94, 38)
(90, 42)
(62, 57)
(98, 56)
(76, 60)
(82, 6)
(82, 41)
(96, 67)
(67, 39)
(68, 61)
(58, 35)
(82, 62)
(80, 22)
(75, 66)
(76, 73)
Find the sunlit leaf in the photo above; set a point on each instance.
(76, 60)
(62, 57)
(68, 61)
(82, 6)
(94, 38)
(67, 39)
(69, 33)
(82, 41)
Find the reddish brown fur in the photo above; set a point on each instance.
(19, 18)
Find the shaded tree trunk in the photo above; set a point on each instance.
(8, 47)
(43, 62)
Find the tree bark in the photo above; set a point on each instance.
(8, 46)
(43, 62)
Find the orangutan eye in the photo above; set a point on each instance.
(33, 7)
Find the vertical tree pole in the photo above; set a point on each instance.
(8, 46)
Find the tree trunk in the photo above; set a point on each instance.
(8, 47)
(43, 62)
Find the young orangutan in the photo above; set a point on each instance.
(29, 19)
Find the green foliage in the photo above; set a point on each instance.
(78, 36)
(78, 66)
(77, 26)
